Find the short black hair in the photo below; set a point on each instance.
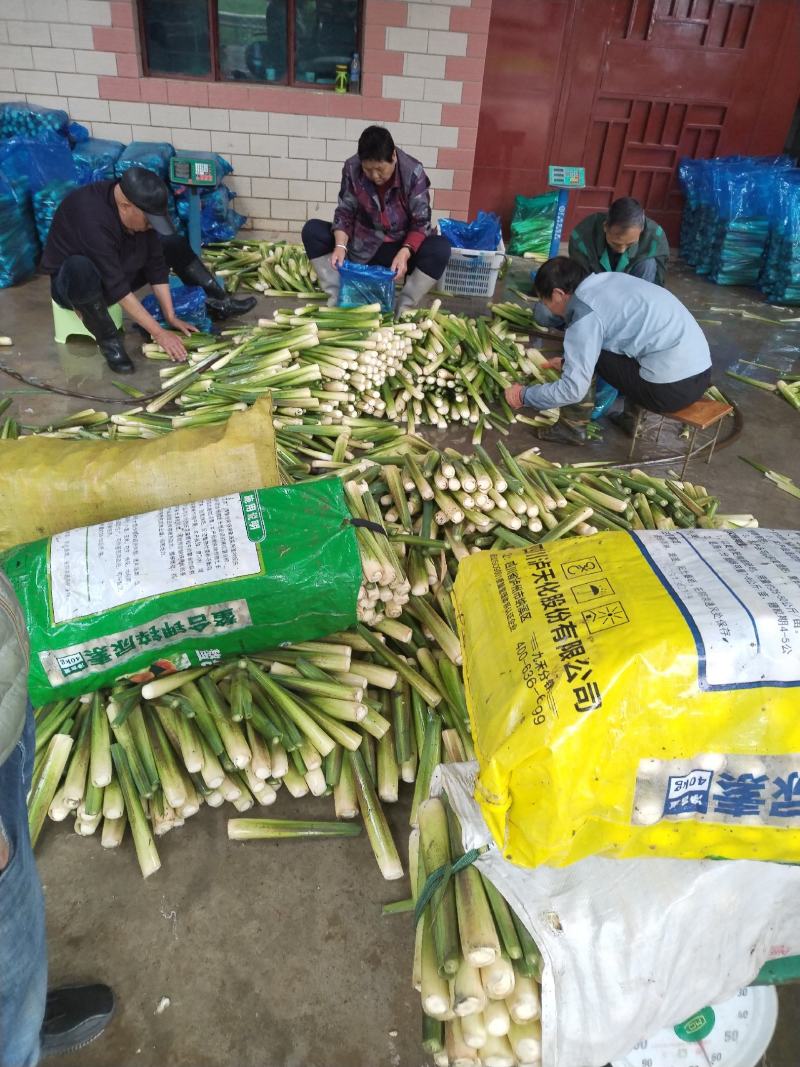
(625, 213)
(376, 143)
(559, 273)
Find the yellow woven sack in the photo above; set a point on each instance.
(637, 694)
(48, 485)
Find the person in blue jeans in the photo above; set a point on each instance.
(33, 1022)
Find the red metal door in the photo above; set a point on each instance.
(646, 82)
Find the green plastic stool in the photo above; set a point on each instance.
(67, 324)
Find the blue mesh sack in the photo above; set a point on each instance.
(152, 155)
(39, 162)
(361, 283)
(189, 302)
(481, 235)
(19, 245)
(18, 119)
(96, 158)
(45, 205)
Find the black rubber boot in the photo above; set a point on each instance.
(109, 340)
(573, 422)
(221, 305)
(116, 355)
(625, 420)
(563, 433)
(75, 1016)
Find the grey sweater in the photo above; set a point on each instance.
(13, 669)
(623, 314)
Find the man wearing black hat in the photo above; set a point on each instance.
(109, 239)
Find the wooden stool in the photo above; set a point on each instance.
(700, 415)
(67, 324)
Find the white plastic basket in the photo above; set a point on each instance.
(472, 273)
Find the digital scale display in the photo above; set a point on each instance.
(193, 171)
(566, 177)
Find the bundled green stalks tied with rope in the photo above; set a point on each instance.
(476, 966)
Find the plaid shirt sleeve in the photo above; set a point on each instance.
(345, 215)
(419, 208)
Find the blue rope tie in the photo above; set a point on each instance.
(439, 878)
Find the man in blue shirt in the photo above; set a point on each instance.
(637, 336)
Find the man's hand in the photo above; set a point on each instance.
(186, 328)
(514, 395)
(400, 262)
(171, 344)
(556, 363)
(338, 257)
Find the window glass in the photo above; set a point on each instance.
(176, 37)
(252, 39)
(326, 33)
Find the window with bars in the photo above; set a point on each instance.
(280, 42)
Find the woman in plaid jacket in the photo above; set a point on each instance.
(384, 218)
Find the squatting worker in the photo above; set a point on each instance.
(33, 1022)
(622, 240)
(383, 217)
(636, 335)
(109, 239)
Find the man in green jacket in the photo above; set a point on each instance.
(622, 240)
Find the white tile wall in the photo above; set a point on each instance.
(287, 166)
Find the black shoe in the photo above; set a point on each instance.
(563, 433)
(227, 306)
(115, 355)
(74, 1016)
(624, 421)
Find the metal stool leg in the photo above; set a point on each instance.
(636, 430)
(689, 448)
(660, 428)
(714, 442)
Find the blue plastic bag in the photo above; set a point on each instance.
(18, 119)
(152, 155)
(481, 235)
(218, 220)
(604, 397)
(361, 283)
(40, 163)
(45, 204)
(19, 245)
(189, 302)
(96, 158)
(77, 133)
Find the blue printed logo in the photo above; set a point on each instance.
(688, 793)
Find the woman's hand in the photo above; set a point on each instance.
(172, 345)
(186, 328)
(338, 257)
(513, 395)
(400, 263)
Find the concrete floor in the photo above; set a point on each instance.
(276, 955)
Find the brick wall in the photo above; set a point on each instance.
(422, 72)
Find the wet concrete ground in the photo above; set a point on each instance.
(276, 955)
